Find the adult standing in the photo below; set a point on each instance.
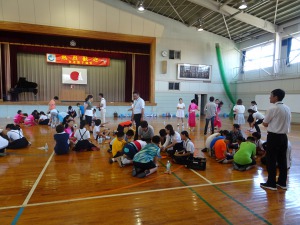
(239, 110)
(180, 113)
(277, 120)
(102, 108)
(192, 114)
(211, 110)
(218, 122)
(88, 111)
(53, 111)
(138, 111)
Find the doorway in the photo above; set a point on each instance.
(201, 100)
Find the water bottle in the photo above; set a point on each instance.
(233, 151)
(168, 170)
(100, 140)
(164, 122)
(46, 147)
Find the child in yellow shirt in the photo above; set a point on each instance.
(117, 147)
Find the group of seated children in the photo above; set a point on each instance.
(68, 136)
(38, 117)
(27, 120)
(231, 147)
(144, 152)
(13, 138)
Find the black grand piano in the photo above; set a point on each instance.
(23, 86)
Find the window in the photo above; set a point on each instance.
(173, 86)
(259, 57)
(295, 51)
(173, 54)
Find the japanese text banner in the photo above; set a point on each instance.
(77, 59)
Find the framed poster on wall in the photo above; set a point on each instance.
(194, 72)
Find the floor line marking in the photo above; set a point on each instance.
(235, 200)
(203, 200)
(38, 180)
(199, 175)
(126, 187)
(17, 217)
(122, 194)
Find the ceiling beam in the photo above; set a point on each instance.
(242, 16)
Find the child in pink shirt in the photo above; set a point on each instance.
(29, 120)
(19, 118)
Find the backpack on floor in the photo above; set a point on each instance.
(197, 163)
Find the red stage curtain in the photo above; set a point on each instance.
(142, 76)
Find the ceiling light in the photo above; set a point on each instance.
(243, 5)
(141, 6)
(200, 27)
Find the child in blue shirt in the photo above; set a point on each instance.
(62, 141)
(145, 161)
(80, 111)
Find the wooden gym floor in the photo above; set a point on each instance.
(39, 187)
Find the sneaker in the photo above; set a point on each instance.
(110, 160)
(266, 186)
(281, 186)
(143, 174)
(134, 173)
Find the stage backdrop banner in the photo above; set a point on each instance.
(77, 59)
(74, 76)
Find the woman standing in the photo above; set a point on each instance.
(88, 111)
(180, 113)
(217, 121)
(192, 114)
(239, 111)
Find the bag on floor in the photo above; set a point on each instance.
(197, 163)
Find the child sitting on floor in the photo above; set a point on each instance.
(72, 112)
(15, 137)
(259, 143)
(145, 161)
(183, 157)
(19, 118)
(83, 136)
(130, 149)
(117, 148)
(97, 131)
(3, 145)
(221, 150)
(43, 119)
(29, 120)
(62, 141)
(244, 158)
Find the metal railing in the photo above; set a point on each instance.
(280, 69)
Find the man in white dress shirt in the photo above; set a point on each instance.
(137, 111)
(277, 120)
(102, 107)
